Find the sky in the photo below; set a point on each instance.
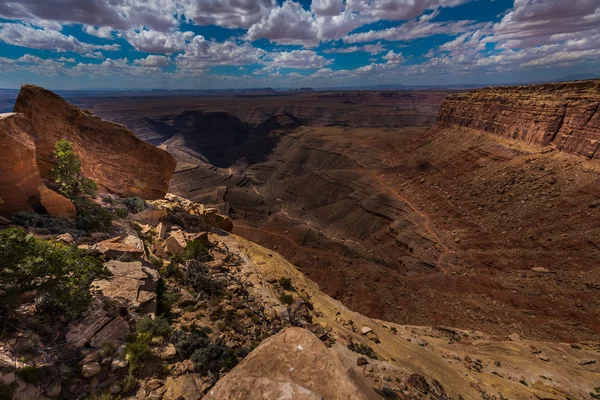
(197, 44)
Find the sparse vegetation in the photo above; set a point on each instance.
(286, 284)
(138, 352)
(121, 212)
(286, 299)
(195, 250)
(206, 355)
(92, 217)
(196, 276)
(67, 172)
(53, 225)
(363, 349)
(60, 275)
(135, 204)
(155, 327)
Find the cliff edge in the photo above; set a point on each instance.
(564, 114)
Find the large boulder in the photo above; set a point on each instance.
(55, 204)
(110, 154)
(19, 173)
(294, 364)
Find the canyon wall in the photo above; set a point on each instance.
(564, 114)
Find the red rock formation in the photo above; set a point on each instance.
(56, 204)
(21, 187)
(110, 154)
(19, 173)
(564, 114)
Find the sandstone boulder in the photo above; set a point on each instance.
(131, 284)
(115, 332)
(213, 218)
(110, 154)
(184, 387)
(55, 204)
(80, 334)
(20, 177)
(293, 364)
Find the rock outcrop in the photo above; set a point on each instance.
(293, 364)
(20, 176)
(21, 186)
(110, 154)
(564, 114)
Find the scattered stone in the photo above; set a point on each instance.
(65, 238)
(169, 352)
(150, 216)
(213, 218)
(361, 361)
(587, 361)
(544, 358)
(54, 389)
(80, 334)
(186, 299)
(154, 384)
(184, 387)
(5, 221)
(365, 329)
(514, 337)
(7, 378)
(90, 369)
(117, 363)
(419, 383)
(115, 332)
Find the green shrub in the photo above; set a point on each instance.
(135, 204)
(206, 355)
(363, 349)
(197, 276)
(92, 217)
(121, 212)
(30, 374)
(53, 225)
(60, 275)
(286, 284)
(67, 172)
(286, 299)
(138, 352)
(129, 383)
(155, 327)
(195, 250)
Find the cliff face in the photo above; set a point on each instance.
(19, 173)
(111, 155)
(564, 114)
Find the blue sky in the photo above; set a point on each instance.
(74, 44)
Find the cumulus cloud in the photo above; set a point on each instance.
(158, 42)
(117, 14)
(414, 29)
(327, 7)
(302, 59)
(27, 36)
(288, 24)
(201, 53)
(153, 61)
(397, 10)
(367, 48)
(228, 13)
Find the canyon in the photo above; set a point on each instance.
(400, 213)
(416, 244)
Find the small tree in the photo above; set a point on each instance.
(61, 276)
(67, 172)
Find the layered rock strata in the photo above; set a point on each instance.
(563, 114)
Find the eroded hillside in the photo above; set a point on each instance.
(457, 227)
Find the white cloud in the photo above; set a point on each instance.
(288, 24)
(153, 61)
(158, 42)
(104, 32)
(228, 13)
(27, 36)
(397, 10)
(117, 14)
(415, 29)
(367, 48)
(327, 7)
(302, 59)
(201, 53)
